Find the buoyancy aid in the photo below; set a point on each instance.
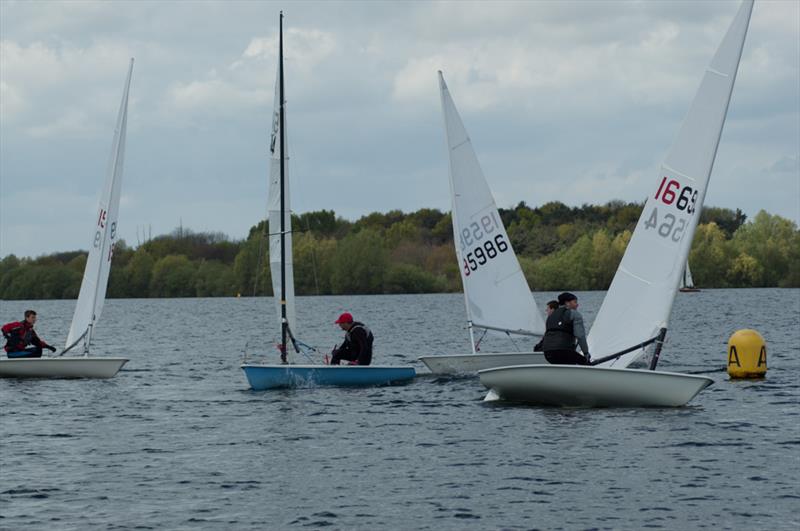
(365, 358)
(559, 334)
(17, 336)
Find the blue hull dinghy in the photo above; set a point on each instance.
(262, 377)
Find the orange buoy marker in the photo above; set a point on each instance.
(747, 355)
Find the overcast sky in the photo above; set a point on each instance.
(569, 101)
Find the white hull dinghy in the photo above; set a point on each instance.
(579, 386)
(61, 367)
(458, 364)
(496, 294)
(635, 312)
(95, 280)
(288, 374)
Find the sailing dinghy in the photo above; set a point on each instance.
(496, 294)
(636, 310)
(687, 283)
(286, 374)
(95, 280)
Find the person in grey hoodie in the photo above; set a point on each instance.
(565, 330)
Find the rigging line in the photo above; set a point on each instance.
(313, 257)
(480, 339)
(74, 342)
(260, 256)
(512, 341)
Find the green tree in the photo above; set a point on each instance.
(173, 276)
(710, 257)
(137, 274)
(359, 264)
(769, 240)
(407, 278)
(214, 279)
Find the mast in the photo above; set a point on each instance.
(453, 211)
(283, 198)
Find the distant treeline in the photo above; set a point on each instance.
(559, 247)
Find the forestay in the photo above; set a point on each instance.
(496, 292)
(98, 264)
(639, 301)
(274, 208)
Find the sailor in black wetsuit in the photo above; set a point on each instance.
(564, 328)
(357, 345)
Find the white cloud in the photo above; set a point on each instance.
(574, 101)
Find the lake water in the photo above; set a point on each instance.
(177, 441)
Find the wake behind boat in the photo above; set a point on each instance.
(95, 280)
(635, 312)
(497, 297)
(287, 374)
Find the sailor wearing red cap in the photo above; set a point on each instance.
(357, 345)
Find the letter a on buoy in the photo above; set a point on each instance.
(733, 357)
(747, 355)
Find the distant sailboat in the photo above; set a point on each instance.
(687, 283)
(636, 310)
(287, 374)
(95, 280)
(496, 294)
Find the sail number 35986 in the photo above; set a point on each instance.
(483, 253)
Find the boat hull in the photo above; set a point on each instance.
(472, 363)
(261, 377)
(61, 367)
(580, 386)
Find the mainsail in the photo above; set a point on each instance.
(496, 292)
(639, 301)
(98, 264)
(280, 234)
(687, 281)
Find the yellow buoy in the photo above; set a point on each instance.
(747, 355)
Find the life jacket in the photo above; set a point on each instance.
(559, 334)
(370, 337)
(17, 336)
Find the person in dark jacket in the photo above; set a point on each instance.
(357, 345)
(564, 329)
(549, 308)
(21, 338)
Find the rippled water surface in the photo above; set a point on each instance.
(177, 441)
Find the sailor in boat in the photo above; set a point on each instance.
(22, 340)
(549, 308)
(357, 345)
(564, 330)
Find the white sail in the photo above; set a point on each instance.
(98, 264)
(496, 292)
(639, 301)
(274, 208)
(687, 282)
